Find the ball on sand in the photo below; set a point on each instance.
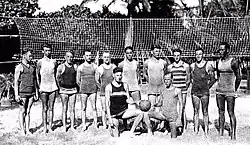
(145, 105)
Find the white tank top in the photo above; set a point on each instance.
(155, 72)
(47, 72)
(129, 75)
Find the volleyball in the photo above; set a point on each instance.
(144, 105)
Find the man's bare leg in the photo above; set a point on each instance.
(204, 104)
(114, 128)
(72, 102)
(184, 117)
(173, 128)
(221, 109)
(230, 109)
(22, 114)
(52, 98)
(103, 105)
(65, 99)
(147, 121)
(137, 120)
(156, 115)
(196, 107)
(92, 99)
(44, 97)
(27, 118)
(84, 99)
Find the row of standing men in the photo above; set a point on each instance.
(118, 87)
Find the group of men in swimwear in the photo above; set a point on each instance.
(118, 89)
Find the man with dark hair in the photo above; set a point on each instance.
(85, 78)
(170, 96)
(228, 82)
(26, 90)
(181, 79)
(131, 73)
(202, 79)
(104, 76)
(66, 78)
(117, 100)
(154, 70)
(46, 78)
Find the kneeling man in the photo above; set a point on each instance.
(117, 102)
(170, 96)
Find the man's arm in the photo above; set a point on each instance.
(59, 72)
(38, 75)
(211, 74)
(187, 68)
(129, 99)
(36, 97)
(98, 76)
(55, 71)
(179, 95)
(159, 101)
(165, 69)
(138, 72)
(78, 75)
(169, 68)
(145, 70)
(97, 58)
(236, 68)
(108, 91)
(18, 71)
(191, 72)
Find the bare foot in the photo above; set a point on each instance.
(50, 130)
(72, 129)
(83, 127)
(28, 132)
(165, 132)
(131, 134)
(96, 125)
(23, 132)
(45, 131)
(65, 129)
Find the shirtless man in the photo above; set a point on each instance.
(131, 73)
(66, 78)
(202, 78)
(117, 100)
(85, 78)
(181, 79)
(154, 70)
(170, 96)
(26, 90)
(228, 82)
(46, 78)
(104, 76)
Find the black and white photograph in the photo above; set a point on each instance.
(124, 72)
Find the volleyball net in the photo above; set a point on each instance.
(111, 35)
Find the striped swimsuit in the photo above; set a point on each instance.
(179, 76)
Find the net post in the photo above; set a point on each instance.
(248, 77)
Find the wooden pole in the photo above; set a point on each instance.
(9, 35)
(247, 7)
(248, 77)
